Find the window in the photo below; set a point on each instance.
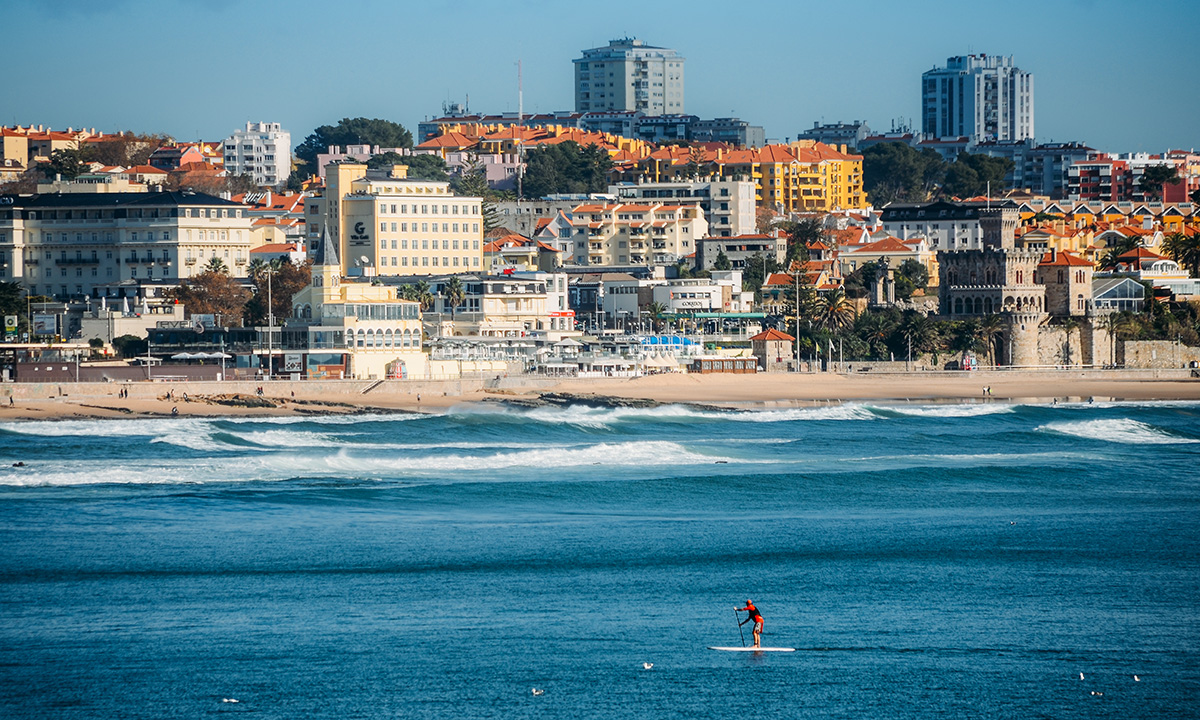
(382, 227)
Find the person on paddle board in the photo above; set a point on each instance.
(753, 614)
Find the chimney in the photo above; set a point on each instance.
(1053, 255)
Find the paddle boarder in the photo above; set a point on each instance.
(753, 614)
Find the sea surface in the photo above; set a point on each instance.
(928, 561)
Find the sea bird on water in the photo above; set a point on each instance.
(537, 691)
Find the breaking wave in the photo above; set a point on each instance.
(1122, 430)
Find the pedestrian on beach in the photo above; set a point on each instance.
(752, 614)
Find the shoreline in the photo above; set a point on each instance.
(281, 398)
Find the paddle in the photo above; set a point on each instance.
(738, 618)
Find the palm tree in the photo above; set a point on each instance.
(991, 327)
(422, 294)
(256, 267)
(835, 311)
(656, 310)
(454, 293)
(1184, 250)
(1070, 325)
(217, 265)
(966, 337)
(1111, 258)
(876, 329)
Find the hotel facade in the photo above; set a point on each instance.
(76, 245)
(382, 223)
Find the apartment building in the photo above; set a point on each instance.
(382, 223)
(983, 97)
(81, 245)
(262, 151)
(628, 74)
(803, 176)
(728, 204)
(511, 305)
(636, 234)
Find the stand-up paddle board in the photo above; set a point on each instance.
(753, 649)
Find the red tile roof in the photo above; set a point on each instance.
(773, 334)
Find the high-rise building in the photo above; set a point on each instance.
(983, 97)
(629, 75)
(262, 151)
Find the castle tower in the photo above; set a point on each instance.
(997, 278)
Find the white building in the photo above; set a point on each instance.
(636, 234)
(262, 151)
(728, 205)
(629, 75)
(983, 97)
(720, 294)
(74, 245)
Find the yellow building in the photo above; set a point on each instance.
(805, 176)
(382, 223)
(352, 330)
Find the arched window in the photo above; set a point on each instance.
(362, 338)
(407, 338)
(987, 305)
(387, 338)
(349, 338)
(958, 306)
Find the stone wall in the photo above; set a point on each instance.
(1156, 354)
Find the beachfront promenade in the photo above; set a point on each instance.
(54, 400)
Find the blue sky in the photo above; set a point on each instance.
(1118, 75)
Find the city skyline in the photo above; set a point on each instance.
(781, 65)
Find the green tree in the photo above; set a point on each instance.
(800, 234)
(910, 277)
(1195, 196)
(286, 279)
(835, 311)
(68, 163)
(970, 174)
(351, 131)
(758, 268)
(1155, 176)
(566, 168)
(455, 294)
(213, 293)
(216, 265)
(897, 172)
(420, 167)
(1184, 250)
(129, 346)
(991, 327)
(722, 261)
(656, 310)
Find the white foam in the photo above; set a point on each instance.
(627, 454)
(1122, 430)
(143, 427)
(847, 411)
(950, 411)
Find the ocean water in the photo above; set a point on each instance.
(953, 561)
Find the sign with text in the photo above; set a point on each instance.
(10, 323)
(292, 362)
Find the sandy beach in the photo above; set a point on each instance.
(208, 399)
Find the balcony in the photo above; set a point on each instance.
(79, 261)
